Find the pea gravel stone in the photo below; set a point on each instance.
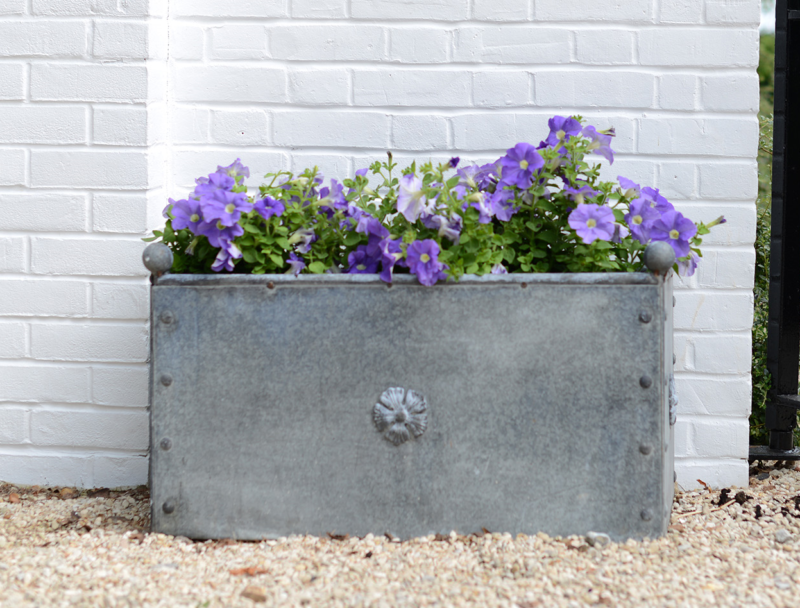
(76, 549)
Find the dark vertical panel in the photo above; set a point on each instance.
(783, 350)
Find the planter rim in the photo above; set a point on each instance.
(587, 278)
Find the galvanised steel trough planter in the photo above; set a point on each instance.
(318, 404)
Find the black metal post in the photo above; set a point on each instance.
(783, 338)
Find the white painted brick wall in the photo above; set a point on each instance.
(79, 107)
(98, 125)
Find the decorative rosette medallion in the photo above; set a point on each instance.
(398, 418)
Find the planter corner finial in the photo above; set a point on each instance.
(157, 258)
(659, 257)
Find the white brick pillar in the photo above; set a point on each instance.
(82, 84)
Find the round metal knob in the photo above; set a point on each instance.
(659, 256)
(168, 507)
(157, 258)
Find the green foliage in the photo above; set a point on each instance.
(761, 377)
(766, 73)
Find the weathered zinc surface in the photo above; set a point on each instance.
(516, 403)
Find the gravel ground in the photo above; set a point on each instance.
(62, 547)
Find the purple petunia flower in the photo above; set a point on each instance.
(391, 253)
(561, 129)
(217, 234)
(332, 199)
(482, 201)
(519, 165)
(632, 189)
(208, 186)
(225, 206)
(235, 169)
(502, 206)
(422, 258)
(454, 162)
(601, 143)
(268, 206)
(449, 228)
(186, 214)
(361, 262)
(499, 269)
(641, 217)
(371, 225)
(592, 222)
(661, 204)
(302, 238)
(225, 257)
(411, 201)
(676, 230)
(296, 265)
(687, 267)
(580, 193)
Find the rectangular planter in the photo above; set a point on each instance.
(545, 397)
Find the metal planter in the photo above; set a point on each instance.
(336, 403)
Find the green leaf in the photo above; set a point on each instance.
(283, 243)
(352, 238)
(249, 256)
(251, 229)
(317, 267)
(276, 259)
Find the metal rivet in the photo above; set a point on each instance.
(270, 285)
(167, 317)
(646, 514)
(645, 449)
(524, 285)
(168, 507)
(674, 359)
(166, 444)
(645, 381)
(673, 301)
(645, 316)
(166, 379)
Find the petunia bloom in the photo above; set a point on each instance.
(225, 206)
(218, 234)
(640, 218)
(303, 238)
(561, 130)
(186, 214)
(422, 258)
(580, 192)
(361, 262)
(296, 265)
(687, 267)
(592, 222)
(519, 165)
(502, 205)
(601, 143)
(411, 201)
(268, 206)
(225, 257)
(391, 253)
(449, 228)
(235, 169)
(676, 230)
